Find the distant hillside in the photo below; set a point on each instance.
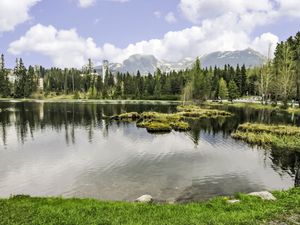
(148, 63)
(249, 57)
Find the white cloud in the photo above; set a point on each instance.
(64, 47)
(121, 1)
(88, 3)
(157, 14)
(289, 7)
(264, 41)
(170, 18)
(229, 27)
(14, 12)
(67, 49)
(196, 10)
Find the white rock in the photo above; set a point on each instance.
(144, 199)
(232, 201)
(265, 195)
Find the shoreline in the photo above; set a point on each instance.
(100, 101)
(243, 209)
(208, 103)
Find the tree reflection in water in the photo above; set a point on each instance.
(27, 118)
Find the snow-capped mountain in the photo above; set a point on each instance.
(148, 63)
(249, 57)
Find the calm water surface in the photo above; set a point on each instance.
(70, 149)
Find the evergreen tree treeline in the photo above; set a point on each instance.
(277, 79)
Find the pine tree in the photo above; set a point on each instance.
(20, 72)
(223, 91)
(150, 84)
(157, 86)
(200, 83)
(30, 84)
(233, 91)
(238, 78)
(4, 82)
(2, 66)
(99, 86)
(243, 78)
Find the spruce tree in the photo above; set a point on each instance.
(4, 81)
(200, 83)
(30, 84)
(20, 72)
(157, 86)
(243, 78)
(238, 78)
(233, 91)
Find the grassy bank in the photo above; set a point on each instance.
(116, 101)
(277, 136)
(251, 210)
(258, 106)
(84, 96)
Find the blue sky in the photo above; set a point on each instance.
(66, 33)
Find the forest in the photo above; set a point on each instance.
(278, 79)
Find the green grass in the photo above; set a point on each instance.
(243, 105)
(156, 126)
(277, 136)
(166, 122)
(180, 126)
(294, 110)
(251, 210)
(162, 122)
(193, 111)
(257, 106)
(127, 116)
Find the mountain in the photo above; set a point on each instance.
(143, 63)
(148, 63)
(249, 57)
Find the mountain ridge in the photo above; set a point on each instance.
(149, 63)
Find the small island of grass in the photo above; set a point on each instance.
(193, 111)
(277, 136)
(166, 122)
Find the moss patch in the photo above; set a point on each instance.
(127, 116)
(165, 122)
(277, 136)
(193, 111)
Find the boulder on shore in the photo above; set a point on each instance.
(232, 201)
(145, 199)
(265, 195)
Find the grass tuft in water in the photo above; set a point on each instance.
(165, 122)
(276, 136)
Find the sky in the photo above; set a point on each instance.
(66, 33)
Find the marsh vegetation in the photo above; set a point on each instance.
(166, 122)
(277, 136)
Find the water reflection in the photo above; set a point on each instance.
(71, 149)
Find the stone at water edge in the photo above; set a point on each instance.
(265, 195)
(145, 199)
(232, 201)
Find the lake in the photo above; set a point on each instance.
(73, 150)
